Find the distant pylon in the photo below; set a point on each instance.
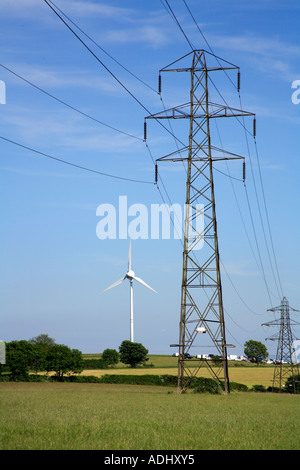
(286, 365)
(201, 292)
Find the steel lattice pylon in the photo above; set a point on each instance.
(286, 365)
(201, 291)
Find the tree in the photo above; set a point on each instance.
(132, 353)
(42, 339)
(61, 359)
(255, 351)
(110, 357)
(19, 355)
(38, 359)
(217, 360)
(41, 345)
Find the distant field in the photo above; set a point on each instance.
(156, 360)
(64, 416)
(248, 374)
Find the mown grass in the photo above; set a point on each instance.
(125, 417)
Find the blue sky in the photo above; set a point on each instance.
(53, 265)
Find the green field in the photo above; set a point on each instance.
(79, 416)
(53, 416)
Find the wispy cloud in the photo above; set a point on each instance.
(43, 173)
(255, 44)
(26, 8)
(67, 131)
(47, 78)
(32, 8)
(90, 9)
(147, 30)
(270, 55)
(151, 35)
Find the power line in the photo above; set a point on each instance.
(84, 114)
(74, 164)
(102, 49)
(178, 24)
(253, 227)
(123, 86)
(68, 105)
(268, 221)
(133, 96)
(259, 210)
(95, 56)
(207, 43)
(257, 245)
(246, 131)
(103, 65)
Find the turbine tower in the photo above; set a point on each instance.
(286, 365)
(130, 274)
(201, 292)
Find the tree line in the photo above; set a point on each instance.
(42, 354)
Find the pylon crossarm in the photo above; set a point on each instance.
(214, 111)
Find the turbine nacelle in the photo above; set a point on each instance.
(130, 274)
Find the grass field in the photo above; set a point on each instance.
(43, 416)
(79, 416)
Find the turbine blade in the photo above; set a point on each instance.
(129, 256)
(143, 283)
(113, 285)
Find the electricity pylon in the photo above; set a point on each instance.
(286, 365)
(201, 292)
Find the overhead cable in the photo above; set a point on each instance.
(102, 49)
(103, 65)
(68, 105)
(74, 164)
(240, 122)
(254, 136)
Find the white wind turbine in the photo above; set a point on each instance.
(131, 276)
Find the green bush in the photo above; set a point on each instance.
(168, 380)
(205, 385)
(258, 388)
(110, 357)
(89, 364)
(237, 387)
(132, 379)
(5, 378)
(91, 379)
(3, 369)
(161, 380)
(289, 384)
(37, 378)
